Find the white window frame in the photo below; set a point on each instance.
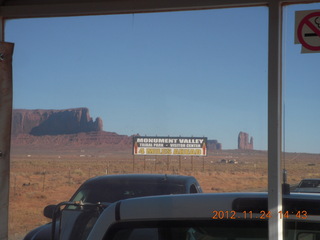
(56, 8)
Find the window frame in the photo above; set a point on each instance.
(56, 8)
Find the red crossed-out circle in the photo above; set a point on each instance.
(306, 21)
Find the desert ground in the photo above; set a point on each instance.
(41, 176)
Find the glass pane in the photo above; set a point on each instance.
(84, 86)
(203, 230)
(301, 101)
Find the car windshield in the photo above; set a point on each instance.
(106, 192)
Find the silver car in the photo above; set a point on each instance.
(222, 216)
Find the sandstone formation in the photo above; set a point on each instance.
(53, 122)
(68, 128)
(243, 141)
(214, 145)
(101, 138)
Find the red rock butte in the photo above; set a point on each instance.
(54, 122)
(243, 141)
(68, 127)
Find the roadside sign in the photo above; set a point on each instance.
(307, 30)
(188, 146)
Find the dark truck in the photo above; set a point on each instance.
(78, 215)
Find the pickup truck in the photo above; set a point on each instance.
(98, 193)
(217, 216)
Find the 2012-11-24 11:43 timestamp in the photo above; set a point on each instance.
(219, 215)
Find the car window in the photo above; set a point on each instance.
(192, 230)
(209, 230)
(309, 184)
(106, 192)
(308, 236)
(193, 189)
(80, 196)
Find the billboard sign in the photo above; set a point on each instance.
(189, 146)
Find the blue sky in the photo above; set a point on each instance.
(195, 73)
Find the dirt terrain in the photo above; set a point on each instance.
(47, 176)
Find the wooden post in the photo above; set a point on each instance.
(6, 51)
(202, 164)
(15, 185)
(69, 176)
(192, 167)
(133, 160)
(43, 180)
(107, 170)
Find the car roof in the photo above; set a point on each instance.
(143, 177)
(202, 205)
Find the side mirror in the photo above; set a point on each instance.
(48, 211)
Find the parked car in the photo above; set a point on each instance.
(309, 185)
(104, 190)
(217, 216)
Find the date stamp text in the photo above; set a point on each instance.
(216, 214)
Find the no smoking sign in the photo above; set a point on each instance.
(307, 30)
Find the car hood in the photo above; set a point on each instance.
(40, 233)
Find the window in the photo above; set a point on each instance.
(300, 99)
(200, 230)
